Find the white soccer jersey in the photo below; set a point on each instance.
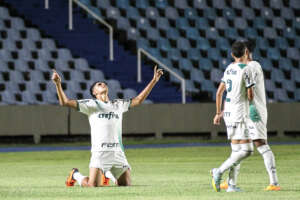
(237, 78)
(105, 120)
(259, 99)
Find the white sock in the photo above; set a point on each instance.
(234, 171)
(78, 177)
(236, 157)
(109, 175)
(269, 160)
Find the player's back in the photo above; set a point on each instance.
(236, 77)
(259, 89)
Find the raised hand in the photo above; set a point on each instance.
(157, 73)
(55, 77)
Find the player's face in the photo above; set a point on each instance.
(100, 88)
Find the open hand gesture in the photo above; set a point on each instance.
(157, 73)
(55, 77)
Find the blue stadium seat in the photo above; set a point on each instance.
(278, 23)
(270, 33)
(262, 43)
(37, 76)
(297, 42)
(174, 54)
(289, 85)
(24, 54)
(44, 54)
(281, 43)
(173, 78)
(112, 13)
(293, 53)
(185, 64)
(42, 65)
(4, 13)
(142, 4)
(152, 34)
(132, 34)
(205, 64)
(223, 44)
(240, 23)
(289, 33)
(163, 24)
(173, 34)
(212, 33)
(192, 33)
(183, 44)
(221, 23)
(29, 97)
(266, 64)
(30, 45)
(202, 23)
(48, 44)
(248, 13)
(12, 86)
(297, 95)
(193, 54)
(4, 67)
(231, 33)
(96, 75)
(49, 97)
(266, 13)
(33, 34)
(197, 75)
(251, 33)
(213, 54)
(17, 23)
(129, 93)
(8, 97)
(216, 75)
(164, 45)
(14, 34)
(239, 4)
(81, 64)
(124, 4)
(133, 13)
(143, 23)
(152, 13)
(162, 4)
(64, 53)
(273, 53)
(223, 63)
(16, 77)
(190, 87)
(207, 85)
(295, 4)
(33, 86)
(203, 44)
(295, 75)
(200, 4)
(123, 23)
(182, 23)
(285, 64)
(229, 13)
(281, 95)
(9, 45)
(287, 13)
(218, 4)
(103, 3)
(171, 13)
(276, 4)
(270, 86)
(257, 4)
(60, 64)
(76, 75)
(277, 75)
(259, 23)
(210, 13)
(181, 4)
(190, 13)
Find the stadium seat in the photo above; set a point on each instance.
(174, 55)
(164, 45)
(289, 85)
(48, 44)
(103, 3)
(182, 23)
(133, 13)
(231, 33)
(293, 53)
(229, 13)
(44, 54)
(124, 4)
(216, 75)
(81, 64)
(5, 55)
(266, 64)
(276, 4)
(203, 44)
(297, 95)
(289, 33)
(212, 33)
(162, 4)
(239, 4)
(202, 23)
(259, 23)
(16, 76)
(29, 45)
(171, 13)
(210, 13)
(129, 93)
(29, 97)
(49, 97)
(33, 86)
(153, 34)
(270, 86)
(114, 85)
(248, 13)
(13, 34)
(185, 64)
(143, 23)
(266, 13)
(142, 4)
(190, 87)
(295, 75)
(285, 64)
(281, 95)
(181, 4)
(240, 23)
(4, 13)
(219, 4)
(197, 75)
(257, 4)
(281, 43)
(251, 33)
(295, 4)
(173, 34)
(193, 54)
(287, 13)
(190, 13)
(223, 63)
(270, 33)
(173, 78)
(152, 13)
(223, 44)
(192, 33)
(205, 64)
(277, 75)
(278, 23)
(183, 44)
(112, 13)
(33, 34)
(213, 54)
(96, 75)
(21, 65)
(64, 53)
(123, 23)
(37, 76)
(8, 97)
(9, 45)
(163, 24)
(273, 53)
(221, 23)
(207, 85)
(200, 4)
(12, 87)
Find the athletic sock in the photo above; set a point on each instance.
(109, 175)
(78, 177)
(269, 161)
(234, 171)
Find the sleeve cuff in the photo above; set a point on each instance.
(249, 86)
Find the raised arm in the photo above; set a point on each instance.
(219, 96)
(144, 94)
(63, 99)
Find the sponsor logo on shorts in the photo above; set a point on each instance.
(231, 126)
(110, 145)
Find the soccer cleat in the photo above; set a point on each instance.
(232, 188)
(104, 180)
(216, 179)
(224, 185)
(273, 188)
(70, 180)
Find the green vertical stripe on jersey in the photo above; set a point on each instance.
(242, 66)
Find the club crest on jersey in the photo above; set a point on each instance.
(110, 115)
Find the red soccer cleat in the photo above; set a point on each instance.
(70, 180)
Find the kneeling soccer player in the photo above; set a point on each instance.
(238, 82)
(105, 118)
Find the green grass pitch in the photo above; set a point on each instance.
(170, 173)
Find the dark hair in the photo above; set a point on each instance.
(92, 87)
(250, 44)
(238, 49)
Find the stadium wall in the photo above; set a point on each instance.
(157, 120)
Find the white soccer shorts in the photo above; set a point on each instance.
(257, 130)
(237, 131)
(114, 161)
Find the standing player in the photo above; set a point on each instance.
(105, 118)
(238, 83)
(258, 123)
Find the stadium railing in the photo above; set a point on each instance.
(139, 70)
